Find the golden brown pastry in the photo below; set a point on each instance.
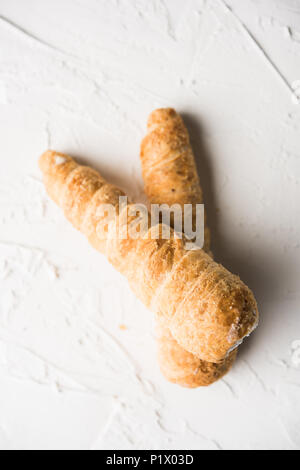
(170, 173)
(208, 309)
(168, 164)
(183, 368)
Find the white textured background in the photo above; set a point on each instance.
(81, 76)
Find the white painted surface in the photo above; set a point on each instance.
(81, 77)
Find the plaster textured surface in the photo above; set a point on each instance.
(77, 350)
